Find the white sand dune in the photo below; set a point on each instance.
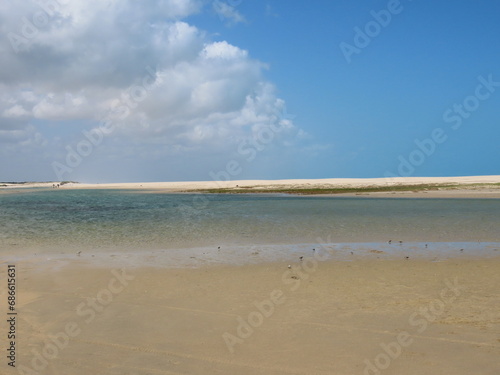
(467, 185)
(344, 182)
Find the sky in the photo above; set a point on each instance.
(196, 90)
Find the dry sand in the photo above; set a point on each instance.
(330, 318)
(467, 187)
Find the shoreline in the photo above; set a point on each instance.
(415, 187)
(244, 255)
(188, 320)
(324, 307)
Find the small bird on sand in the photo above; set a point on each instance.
(289, 266)
(301, 258)
(390, 241)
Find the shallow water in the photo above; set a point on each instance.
(49, 220)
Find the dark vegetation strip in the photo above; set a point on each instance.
(340, 190)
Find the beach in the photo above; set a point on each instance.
(456, 187)
(366, 316)
(232, 187)
(139, 280)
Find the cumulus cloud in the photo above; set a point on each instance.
(15, 111)
(166, 86)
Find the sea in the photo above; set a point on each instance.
(194, 229)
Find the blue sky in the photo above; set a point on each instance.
(249, 90)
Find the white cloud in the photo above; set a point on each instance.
(15, 111)
(91, 57)
(223, 50)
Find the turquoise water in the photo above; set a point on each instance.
(47, 219)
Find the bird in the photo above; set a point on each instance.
(301, 258)
(407, 257)
(289, 266)
(390, 242)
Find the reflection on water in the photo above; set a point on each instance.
(112, 219)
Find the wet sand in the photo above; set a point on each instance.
(365, 316)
